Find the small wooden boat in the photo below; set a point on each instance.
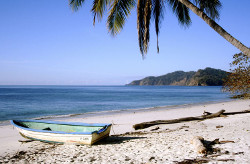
(62, 132)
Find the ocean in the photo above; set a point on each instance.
(25, 102)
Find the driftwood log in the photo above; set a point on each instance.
(206, 115)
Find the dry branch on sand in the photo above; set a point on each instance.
(206, 115)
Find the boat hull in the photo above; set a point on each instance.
(71, 138)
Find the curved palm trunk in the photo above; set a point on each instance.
(217, 27)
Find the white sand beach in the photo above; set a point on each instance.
(169, 143)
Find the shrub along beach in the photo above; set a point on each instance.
(225, 138)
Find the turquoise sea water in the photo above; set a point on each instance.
(22, 102)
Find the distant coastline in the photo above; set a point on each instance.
(203, 77)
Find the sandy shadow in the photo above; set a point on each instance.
(116, 140)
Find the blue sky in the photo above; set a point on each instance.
(46, 43)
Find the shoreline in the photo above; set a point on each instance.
(119, 111)
(155, 108)
(166, 142)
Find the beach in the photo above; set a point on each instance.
(166, 143)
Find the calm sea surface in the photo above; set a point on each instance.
(21, 102)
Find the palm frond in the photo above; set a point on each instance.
(158, 9)
(147, 18)
(210, 7)
(75, 4)
(181, 11)
(120, 10)
(144, 11)
(99, 6)
(141, 24)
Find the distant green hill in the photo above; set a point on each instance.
(203, 77)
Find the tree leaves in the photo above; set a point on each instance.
(99, 6)
(158, 13)
(238, 80)
(75, 4)
(120, 10)
(144, 10)
(210, 7)
(141, 24)
(181, 11)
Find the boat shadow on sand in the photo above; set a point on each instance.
(116, 139)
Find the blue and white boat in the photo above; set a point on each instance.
(62, 132)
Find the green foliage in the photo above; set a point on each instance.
(99, 6)
(210, 77)
(210, 7)
(119, 10)
(158, 8)
(238, 80)
(181, 12)
(75, 4)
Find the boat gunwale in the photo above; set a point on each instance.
(61, 123)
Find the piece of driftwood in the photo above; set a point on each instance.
(222, 142)
(197, 142)
(212, 115)
(240, 112)
(206, 115)
(157, 122)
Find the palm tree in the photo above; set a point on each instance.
(119, 10)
